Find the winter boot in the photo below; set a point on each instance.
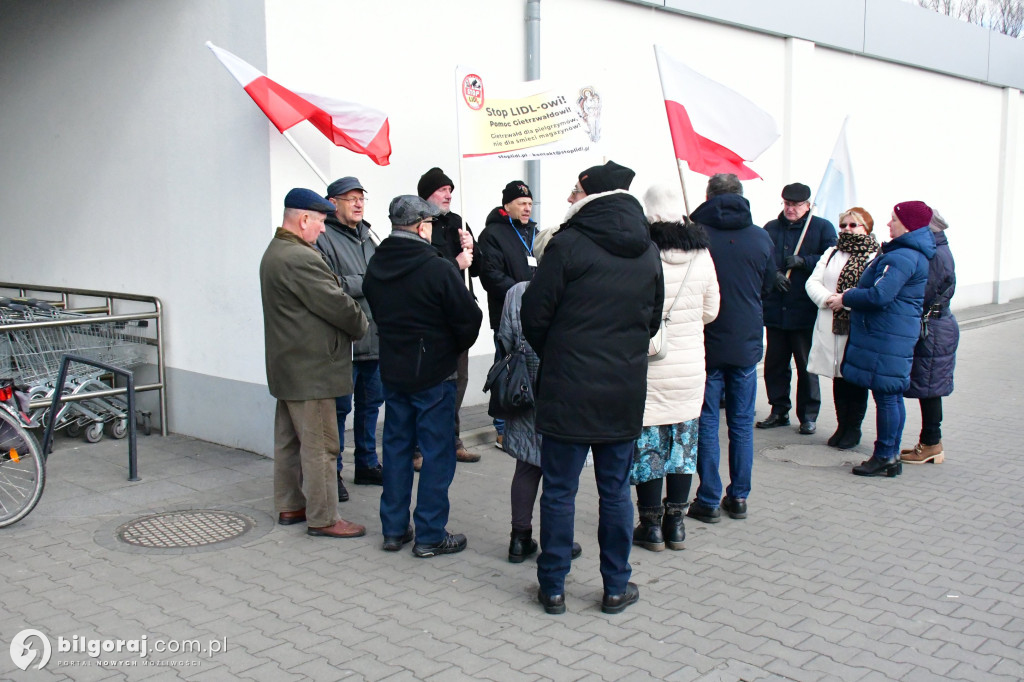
(672, 527)
(648, 533)
(842, 408)
(854, 418)
(521, 545)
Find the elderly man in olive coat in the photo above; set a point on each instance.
(309, 323)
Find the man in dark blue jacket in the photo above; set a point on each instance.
(742, 253)
(789, 313)
(426, 318)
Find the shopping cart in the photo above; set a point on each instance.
(33, 354)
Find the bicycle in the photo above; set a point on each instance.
(22, 465)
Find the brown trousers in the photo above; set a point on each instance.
(305, 454)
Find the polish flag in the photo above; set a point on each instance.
(346, 124)
(714, 129)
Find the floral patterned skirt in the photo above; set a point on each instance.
(661, 450)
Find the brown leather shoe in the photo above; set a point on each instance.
(291, 517)
(921, 454)
(464, 455)
(340, 529)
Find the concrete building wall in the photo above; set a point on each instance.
(133, 162)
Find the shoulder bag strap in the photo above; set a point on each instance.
(682, 285)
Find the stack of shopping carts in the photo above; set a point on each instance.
(34, 338)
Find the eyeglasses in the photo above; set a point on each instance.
(576, 191)
(850, 225)
(793, 204)
(352, 200)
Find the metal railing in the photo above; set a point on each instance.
(105, 312)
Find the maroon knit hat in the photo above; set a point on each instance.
(913, 214)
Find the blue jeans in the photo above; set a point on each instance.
(368, 398)
(425, 417)
(740, 386)
(562, 463)
(890, 416)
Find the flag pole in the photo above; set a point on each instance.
(320, 174)
(679, 165)
(803, 233)
(468, 279)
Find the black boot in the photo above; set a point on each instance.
(672, 527)
(854, 418)
(521, 545)
(842, 408)
(648, 533)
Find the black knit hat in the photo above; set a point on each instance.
(431, 181)
(605, 178)
(516, 189)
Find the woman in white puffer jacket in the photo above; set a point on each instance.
(667, 447)
(838, 269)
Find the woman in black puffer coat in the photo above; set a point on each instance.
(931, 377)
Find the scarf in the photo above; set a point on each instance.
(860, 247)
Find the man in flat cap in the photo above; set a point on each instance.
(589, 313)
(789, 313)
(348, 247)
(426, 318)
(309, 323)
(506, 250)
(454, 239)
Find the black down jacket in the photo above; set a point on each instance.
(589, 313)
(935, 355)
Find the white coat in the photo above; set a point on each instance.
(675, 384)
(826, 348)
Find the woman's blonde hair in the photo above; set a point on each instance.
(862, 217)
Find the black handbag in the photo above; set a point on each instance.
(508, 382)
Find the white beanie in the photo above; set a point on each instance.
(664, 203)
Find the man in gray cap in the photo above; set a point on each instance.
(309, 323)
(347, 246)
(789, 313)
(426, 318)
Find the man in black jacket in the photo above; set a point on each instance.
(789, 313)
(506, 252)
(455, 242)
(426, 318)
(589, 313)
(742, 253)
(348, 248)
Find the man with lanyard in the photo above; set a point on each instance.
(506, 252)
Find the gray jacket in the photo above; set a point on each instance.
(347, 253)
(521, 438)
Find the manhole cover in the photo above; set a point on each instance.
(814, 455)
(184, 529)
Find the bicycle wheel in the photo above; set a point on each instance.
(22, 471)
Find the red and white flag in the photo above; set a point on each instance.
(362, 129)
(714, 129)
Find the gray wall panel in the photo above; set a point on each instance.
(1006, 65)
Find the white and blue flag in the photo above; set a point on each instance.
(836, 193)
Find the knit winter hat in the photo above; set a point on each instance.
(938, 223)
(516, 189)
(663, 203)
(431, 181)
(913, 214)
(606, 178)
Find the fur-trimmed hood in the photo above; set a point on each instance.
(677, 235)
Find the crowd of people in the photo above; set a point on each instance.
(638, 325)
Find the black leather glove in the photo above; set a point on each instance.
(782, 282)
(793, 262)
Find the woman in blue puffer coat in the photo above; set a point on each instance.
(935, 354)
(885, 324)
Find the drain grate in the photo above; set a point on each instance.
(184, 529)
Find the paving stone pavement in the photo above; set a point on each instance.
(832, 577)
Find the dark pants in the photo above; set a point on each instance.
(784, 344)
(851, 403)
(525, 484)
(425, 417)
(562, 463)
(461, 383)
(931, 421)
(740, 387)
(368, 396)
